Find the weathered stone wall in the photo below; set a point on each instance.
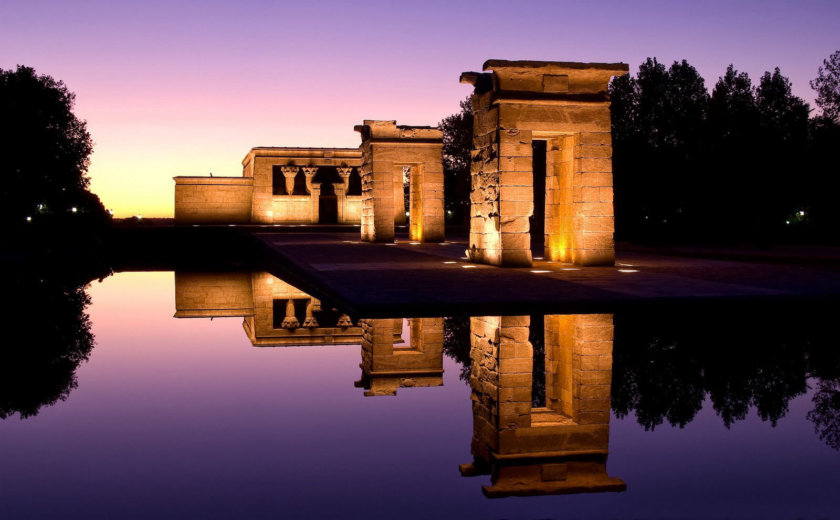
(205, 295)
(212, 200)
(560, 448)
(564, 104)
(387, 367)
(386, 149)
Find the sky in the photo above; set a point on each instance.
(188, 87)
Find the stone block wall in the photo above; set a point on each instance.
(205, 295)
(213, 200)
(564, 104)
(386, 149)
(559, 448)
(387, 367)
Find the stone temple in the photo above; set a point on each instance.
(541, 173)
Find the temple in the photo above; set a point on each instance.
(541, 173)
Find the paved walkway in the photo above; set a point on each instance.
(435, 279)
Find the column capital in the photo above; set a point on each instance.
(344, 172)
(310, 171)
(289, 171)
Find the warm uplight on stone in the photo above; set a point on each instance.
(387, 366)
(275, 313)
(557, 113)
(557, 448)
(390, 151)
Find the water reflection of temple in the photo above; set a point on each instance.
(275, 313)
(541, 431)
(279, 314)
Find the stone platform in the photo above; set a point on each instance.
(409, 278)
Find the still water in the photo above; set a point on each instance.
(236, 395)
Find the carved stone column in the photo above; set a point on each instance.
(290, 321)
(340, 189)
(344, 173)
(309, 321)
(309, 172)
(289, 172)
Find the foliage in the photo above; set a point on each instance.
(827, 85)
(46, 151)
(457, 143)
(732, 166)
(47, 337)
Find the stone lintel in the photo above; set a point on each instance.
(307, 156)
(555, 65)
(546, 79)
(390, 131)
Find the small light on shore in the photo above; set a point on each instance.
(468, 266)
(139, 216)
(801, 213)
(29, 219)
(540, 271)
(73, 209)
(628, 270)
(451, 262)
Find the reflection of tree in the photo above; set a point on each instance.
(826, 412)
(47, 337)
(456, 343)
(666, 363)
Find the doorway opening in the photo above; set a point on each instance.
(537, 219)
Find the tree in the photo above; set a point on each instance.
(457, 144)
(827, 85)
(658, 122)
(45, 150)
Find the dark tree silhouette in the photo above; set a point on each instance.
(45, 150)
(827, 85)
(826, 412)
(456, 343)
(659, 118)
(457, 143)
(47, 335)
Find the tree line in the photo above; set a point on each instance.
(746, 163)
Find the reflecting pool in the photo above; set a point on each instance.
(238, 395)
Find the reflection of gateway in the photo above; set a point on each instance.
(560, 445)
(387, 366)
(276, 313)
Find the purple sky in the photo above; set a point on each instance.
(184, 88)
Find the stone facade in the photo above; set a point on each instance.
(387, 366)
(278, 186)
(275, 313)
(325, 186)
(560, 111)
(213, 200)
(297, 185)
(390, 151)
(553, 449)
